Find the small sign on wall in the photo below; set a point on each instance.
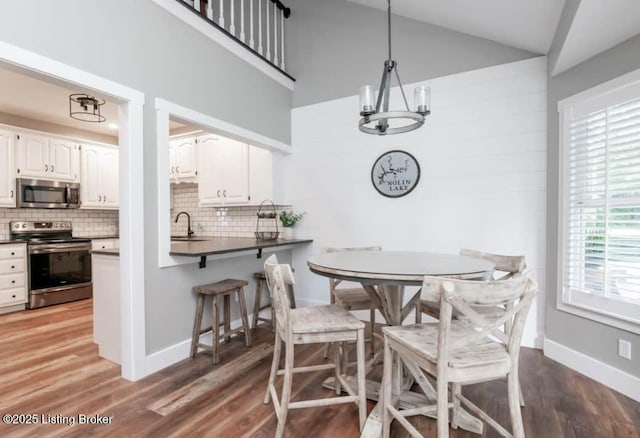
(395, 173)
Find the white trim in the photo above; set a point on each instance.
(583, 102)
(180, 351)
(223, 40)
(131, 193)
(612, 377)
(611, 86)
(164, 109)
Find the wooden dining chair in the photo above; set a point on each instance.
(460, 351)
(505, 267)
(352, 298)
(309, 325)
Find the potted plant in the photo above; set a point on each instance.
(288, 219)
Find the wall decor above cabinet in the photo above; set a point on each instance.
(45, 157)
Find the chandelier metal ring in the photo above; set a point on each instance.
(418, 121)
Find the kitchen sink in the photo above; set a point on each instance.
(187, 239)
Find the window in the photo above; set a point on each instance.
(600, 203)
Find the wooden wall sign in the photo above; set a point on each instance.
(395, 173)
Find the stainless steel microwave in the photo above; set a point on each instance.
(37, 193)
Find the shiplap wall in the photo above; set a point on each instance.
(482, 154)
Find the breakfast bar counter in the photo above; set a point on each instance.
(203, 247)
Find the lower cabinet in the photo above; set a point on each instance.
(104, 244)
(106, 305)
(13, 276)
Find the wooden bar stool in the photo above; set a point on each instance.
(220, 293)
(262, 288)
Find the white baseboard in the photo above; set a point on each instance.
(601, 372)
(177, 352)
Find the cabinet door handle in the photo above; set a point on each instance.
(13, 266)
(104, 198)
(46, 167)
(11, 194)
(224, 193)
(13, 282)
(99, 198)
(13, 253)
(177, 169)
(173, 169)
(13, 296)
(52, 168)
(218, 193)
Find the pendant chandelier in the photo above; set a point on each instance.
(85, 108)
(379, 120)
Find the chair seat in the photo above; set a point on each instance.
(353, 298)
(423, 339)
(323, 319)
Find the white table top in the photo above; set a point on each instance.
(395, 267)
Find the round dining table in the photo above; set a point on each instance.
(384, 275)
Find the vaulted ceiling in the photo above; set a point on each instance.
(596, 26)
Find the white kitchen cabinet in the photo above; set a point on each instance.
(183, 160)
(106, 305)
(223, 171)
(7, 169)
(45, 157)
(99, 187)
(13, 276)
(97, 244)
(260, 175)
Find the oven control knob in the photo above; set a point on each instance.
(55, 225)
(16, 226)
(24, 225)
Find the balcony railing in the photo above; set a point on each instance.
(257, 24)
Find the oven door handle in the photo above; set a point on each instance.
(59, 247)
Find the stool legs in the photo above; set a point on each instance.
(243, 315)
(220, 302)
(216, 302)
(256, 305)
(195, 338)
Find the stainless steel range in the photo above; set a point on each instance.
(59, 264)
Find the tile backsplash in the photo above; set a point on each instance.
(86, 223)
(215, 221)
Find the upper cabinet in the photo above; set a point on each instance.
(7, 169)
(260, 175)
(183, 160)
(223, 177)
(44, 157)
(99, 169)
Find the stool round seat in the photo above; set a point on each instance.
(220, 293)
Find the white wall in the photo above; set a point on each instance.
(482, 154)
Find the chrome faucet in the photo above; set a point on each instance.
(189, 230)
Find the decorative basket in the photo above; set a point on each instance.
(268, 216)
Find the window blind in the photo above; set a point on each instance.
(602, 212)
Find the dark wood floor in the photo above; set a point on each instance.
(49, 367)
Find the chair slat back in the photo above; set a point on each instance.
(327, 250)
(508, 265)
(464, 296)
(279, 277)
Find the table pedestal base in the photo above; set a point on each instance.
(406, 400)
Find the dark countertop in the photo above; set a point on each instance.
(100, 237)
(109, 251)
(222, 245)
(2, 242)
